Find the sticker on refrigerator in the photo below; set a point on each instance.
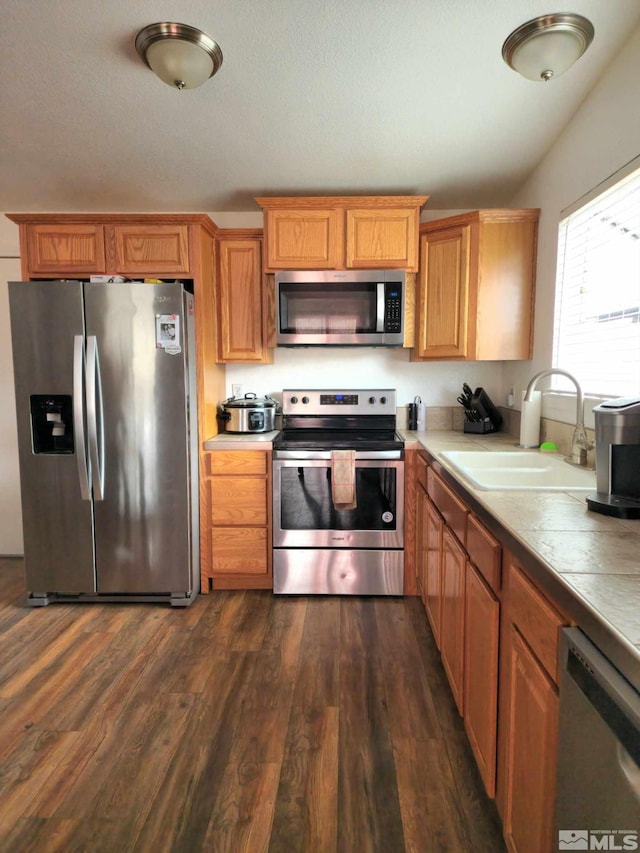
(168, 333)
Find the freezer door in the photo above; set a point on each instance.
(57, 521)
(142, 519)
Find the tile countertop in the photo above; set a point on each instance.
(588, 562)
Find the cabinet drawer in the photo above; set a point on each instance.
(223, 462)
(239, 550)
(238, 501)
(538, 622)
(484, 551)
(451, 507)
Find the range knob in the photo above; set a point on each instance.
(383, 400)
(372, 400)
(305, 400)
(294, 400)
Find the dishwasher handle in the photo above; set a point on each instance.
(608, 692)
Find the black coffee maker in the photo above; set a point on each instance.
(617, 458)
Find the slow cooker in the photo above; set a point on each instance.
(248, 414)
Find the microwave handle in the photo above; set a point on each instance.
(380, 307)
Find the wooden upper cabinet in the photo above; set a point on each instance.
(303, 239)
(443, 294)
(476, 286)
(133, 245)
(341, 232)
(151, 249)
(386, 238)
(241, 301)
(64, 249)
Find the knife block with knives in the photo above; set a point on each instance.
(481, 416)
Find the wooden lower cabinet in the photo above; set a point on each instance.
(452, 626)
(238, 539)
(528, 714)
(498, 636)
(481, 642)
(434, 527)
(529, 742)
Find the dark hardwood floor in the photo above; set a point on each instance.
(243, 723)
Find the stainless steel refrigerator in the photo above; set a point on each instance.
(107, 437)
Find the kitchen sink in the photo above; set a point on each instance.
(523, 470)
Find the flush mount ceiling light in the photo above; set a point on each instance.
(547, 46)
(180, 55)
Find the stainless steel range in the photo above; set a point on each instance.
(338, 494)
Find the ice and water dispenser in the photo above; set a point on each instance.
(52, 423)
(617, 458)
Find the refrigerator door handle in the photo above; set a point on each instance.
(78, 416)
(95, 420)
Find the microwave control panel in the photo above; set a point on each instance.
(393, 307)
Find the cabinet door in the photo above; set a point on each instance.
(531, 738)
(240, 304)
(452, 614)
(421, 543)
(481, 633)
(65, 250)
(151, 249)
(434, 527)
(304, 239)
(443, 294)
(382, 239)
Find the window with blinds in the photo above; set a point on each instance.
(597, 311)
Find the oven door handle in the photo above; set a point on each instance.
(307, 457)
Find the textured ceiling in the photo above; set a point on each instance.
(313, 97)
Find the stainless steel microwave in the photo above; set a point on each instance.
(340, 308)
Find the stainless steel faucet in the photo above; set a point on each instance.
(580, 444)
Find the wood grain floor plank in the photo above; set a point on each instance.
(38, 835)
(25, 770)
(120, 804)
(241, 817)
(55, 682)
(247, 722)
(97, 681)
(182, 805)
(410, 704)
(26, 668)
(369, 818)
(306, 811)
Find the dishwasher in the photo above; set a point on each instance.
(598, 793)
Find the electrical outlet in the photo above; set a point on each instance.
(236, 390)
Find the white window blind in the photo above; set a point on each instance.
(597, 311)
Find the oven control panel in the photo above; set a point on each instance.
(373, 401)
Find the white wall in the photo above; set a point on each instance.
(10, 514)
(437, 383)
(602, 136)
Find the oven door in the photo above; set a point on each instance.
(304, 515)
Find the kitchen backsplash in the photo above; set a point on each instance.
(452, 417)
